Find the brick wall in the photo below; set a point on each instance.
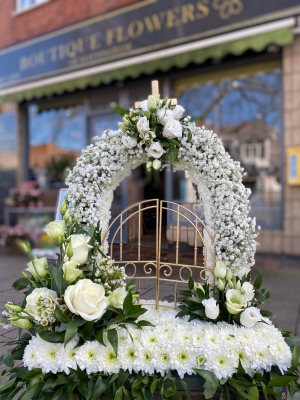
(49, 17)
(287, 241)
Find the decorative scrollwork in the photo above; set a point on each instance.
(148, 265)
(168, 267)
(205, 276)
(183, 268)
(134, 269)
(227, 8)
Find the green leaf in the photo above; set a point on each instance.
(260, 297)
(143, 322)
(119, 110)
(241, 372)
(8, 359)
(295, 358)
(99, 336)
(127, 305)
(266, 313)
(112, 337)
(52, 337)
(20, 372)
(119, 394)
(147, 395)
(99, 388)
(190, 136)
(154, 385)
(122, 377)
(20, 284)
(28, 395)
(57, 279)
(70, 333)
(61, 316)
(91, 231)
(87, 330)
(75, 322)
(191, 283)
(211, 382)
(291, 341)
(280, 381)
(258, 281)
(253, 393)
(7, 385)
(59, 394)
(127, 393)
(136, 311)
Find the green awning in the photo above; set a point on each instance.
(257, 43)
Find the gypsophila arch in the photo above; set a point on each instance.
(106, 162)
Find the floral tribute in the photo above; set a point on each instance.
(85, 333)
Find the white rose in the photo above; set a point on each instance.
(143, 125)
(250, 316)
(178, 111)
(80, 249)
(56, 230)
(71, 271)
(32, 300)
(235, 301)
(129, 142)
(38, 267)
(172, 129)
(212, 309)
(155, 150)
(144, 105)
(248, 291)
(220, 270)
(117, 297)
(163, 115)
(86, 299)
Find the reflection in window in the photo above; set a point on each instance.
(246, 115)
(56, 138)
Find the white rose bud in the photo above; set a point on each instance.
(228, 274)
(155, 150)
(151, 103)
(156, 164)
(86, 299)
(38, 267)
(117, 297)
(56, 230)
(250, 317)
(212, 309)
(178, 111)
(32, 300)
(143, 125)
(172, 129)
(221, 285)
(220, 270)
(163, 115)
(238, 285)
(129, 142)
(80, 248)
(247, 290)
(71, 271)
(22, 323)
(235, 301)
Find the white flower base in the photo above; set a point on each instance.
(173, 344)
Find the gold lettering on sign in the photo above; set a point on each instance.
(115, 34)
(135, 29)
(172, 17)
(32, 61)
(227, 8)
(153, 23)
(202, 7)
(187, 13)
(94, 43)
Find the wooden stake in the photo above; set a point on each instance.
(155, 93)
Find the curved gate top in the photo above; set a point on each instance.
(160, 244)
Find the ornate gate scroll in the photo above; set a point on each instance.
(144, 263)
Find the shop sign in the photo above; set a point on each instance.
(142, 27)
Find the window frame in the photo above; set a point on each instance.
(21, 9)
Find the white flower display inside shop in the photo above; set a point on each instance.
(88, 335)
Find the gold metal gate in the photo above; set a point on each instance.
(150, 266)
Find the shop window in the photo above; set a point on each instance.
(56, 139)
(245, 111)
(23, 5)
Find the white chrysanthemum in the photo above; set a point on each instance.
(50, 356)
(88, 355)
(30, 354)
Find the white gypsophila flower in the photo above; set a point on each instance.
(143, 125)
(163, 115)
(172, 129)
(129, 142)
(155, 150)
(173, 343)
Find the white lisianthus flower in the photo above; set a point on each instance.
(155, 150)
(80, 247)
(235, 301)
(71, 271)
(212, 309)
(178, 111)
(143, 125)
(151, 103)
(38, 267)
(250, 317)
(172, 129)
(22, 323)
(144, 105)
(248, 291)
(129, 142)
(220, 270)
(163, 115)
(56, 230)
(35, 296)
(86, 299)
(117, 297)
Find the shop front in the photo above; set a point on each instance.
(230, 64)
